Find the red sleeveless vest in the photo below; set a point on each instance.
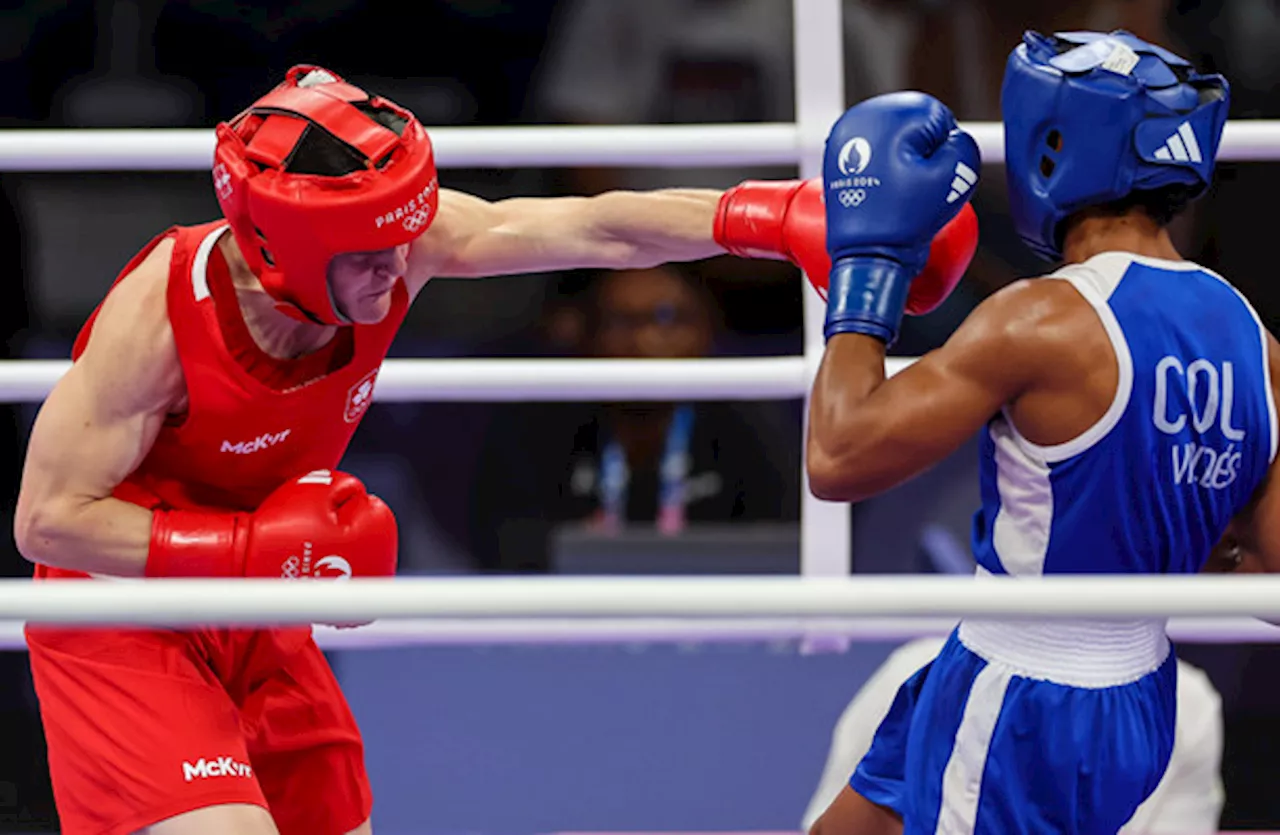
(240, 437)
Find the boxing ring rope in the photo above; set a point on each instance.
(481, 381)
(571, 603)
(662, 146)
(706, 608)
(628, 631)
(591, 611)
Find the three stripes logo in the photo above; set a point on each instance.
(1181, 146)
(965, 179)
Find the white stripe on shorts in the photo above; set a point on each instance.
(962, 778)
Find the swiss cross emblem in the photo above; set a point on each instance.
(222, 181)
(359, 397)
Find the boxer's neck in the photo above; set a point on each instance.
(1089, 234)
(277, 334)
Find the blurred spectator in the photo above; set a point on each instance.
(123, 89)
(621, 464)
(706, 61)
(1187, 801)
(731, 61)
(680, 61)
(701, 61)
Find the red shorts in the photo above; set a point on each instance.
(146, 724)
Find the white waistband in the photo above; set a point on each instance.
(1077, 653)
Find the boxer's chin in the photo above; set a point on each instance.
(368, 309)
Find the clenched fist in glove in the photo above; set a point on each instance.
(786, 219)
(897, 168)
(322, 525)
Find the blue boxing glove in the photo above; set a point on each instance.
(896, 170)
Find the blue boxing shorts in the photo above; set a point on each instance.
(1028, 728)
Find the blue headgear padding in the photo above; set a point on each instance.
(1090, 117)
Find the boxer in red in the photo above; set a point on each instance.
(200, 427)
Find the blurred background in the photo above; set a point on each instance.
(510, 739)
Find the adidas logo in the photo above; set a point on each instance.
(1182, 146)
(966, 178)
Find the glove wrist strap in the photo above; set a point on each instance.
(867, 295)
(186, 543)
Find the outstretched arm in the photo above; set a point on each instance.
(472, 237)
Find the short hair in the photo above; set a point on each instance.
(1160, 204)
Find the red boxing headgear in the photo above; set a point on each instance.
(288, 222)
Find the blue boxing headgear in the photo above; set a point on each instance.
(1091, 117)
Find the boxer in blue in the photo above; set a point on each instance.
(1126, 407)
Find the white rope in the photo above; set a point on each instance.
(491, 380)
(262, 602)
(705, 630)
(601, 631)
(665, 146)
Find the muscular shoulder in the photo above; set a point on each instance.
(472, 237)
(1028, 307)
(1033, 325)
(131, 355)
(458, 218)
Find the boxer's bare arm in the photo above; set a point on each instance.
(472, 237)
(1256, 530)
(94, 429)
(852, 814)
(1230, 557)
(868, 433)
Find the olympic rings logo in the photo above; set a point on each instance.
(852, 197)
(291, 568)
(416, 221)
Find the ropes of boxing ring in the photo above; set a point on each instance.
(662, 146)
(485, 610)
(613, 610)
(673, 146)
(415, 610)
(605, 631)
(522, 380)
(614, 631)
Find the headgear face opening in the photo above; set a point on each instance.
(1091, 117)
(289, 224)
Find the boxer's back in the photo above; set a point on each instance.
(1189, 436)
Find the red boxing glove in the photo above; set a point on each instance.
(785, 219)
(774, 219)
(322, 525)
(950, 253)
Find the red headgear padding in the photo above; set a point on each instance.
(290, 225)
